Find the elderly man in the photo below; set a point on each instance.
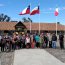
(61, 40)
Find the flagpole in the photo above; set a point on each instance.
(56, 14)
(56, 25)
(39, 23)
(30, 26)
(30, 21)
(39, 19)
(35, 11)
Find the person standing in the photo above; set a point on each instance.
(0, 40)
(3, 42)
(37, 39)
(23, 41)
(41, 41)
(46, 40)
(17, 41)
(50, 40)
(54, 39)
(27, 41)
(32, 41)
(61, 41)
(13, 42)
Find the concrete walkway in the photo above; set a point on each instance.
(35, 57)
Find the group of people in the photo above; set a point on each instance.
(20, 41)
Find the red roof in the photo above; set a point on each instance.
(34, 26)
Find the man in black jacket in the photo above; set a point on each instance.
(54, 39)
(61, 40)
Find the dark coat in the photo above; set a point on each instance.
(54, 38)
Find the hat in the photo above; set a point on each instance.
(22, 32)
(17, 33)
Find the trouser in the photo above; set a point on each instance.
(28, 45)
(23, 45)
(41, 45)
(50, 44)
(46, 43)
(2, 47)
(53, 44)
(20, 45)
(10, 47)
(61, 44)
(37, 44)
(13, 46)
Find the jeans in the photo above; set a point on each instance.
(53, 44)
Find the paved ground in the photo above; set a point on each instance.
(7, 58)
(35, 57)
(58, 53)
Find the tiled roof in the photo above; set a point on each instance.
(45, 26)
(34, 26)
(7, 25)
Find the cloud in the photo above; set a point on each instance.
(1, 5)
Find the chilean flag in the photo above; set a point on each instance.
(56, 12)
(35, 11)
(25, 11)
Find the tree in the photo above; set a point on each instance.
(1, 17)
(4, 18)
(8, 19)
(27, 20)
(58, 22)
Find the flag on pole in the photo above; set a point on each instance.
(25, 11)
(56, 12)
(35, 11)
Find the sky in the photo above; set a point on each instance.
(47, 7)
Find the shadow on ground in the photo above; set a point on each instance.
(6, 58)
